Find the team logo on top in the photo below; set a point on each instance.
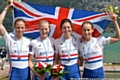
(39, 45)
(15, 51)
(74, 45)
(61, 43)
(84, 55)
(95, 52)
(40, 53)
(83, 48)
(95, 46)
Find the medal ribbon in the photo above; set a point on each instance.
(85, 48)
(46, 51)
(19, 50)
(68, 49)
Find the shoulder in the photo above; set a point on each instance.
(77, 40)
(51, 39)
(81, 43)
(101, 38)
(34, 41)
(58, 41)
(26, 39)
(94, 39)
(10, 35)
(76, 35)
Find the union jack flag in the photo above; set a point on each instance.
(33, 13)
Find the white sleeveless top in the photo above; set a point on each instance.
(92, 52)
(64, 48)
(13, 44)
(43, 49)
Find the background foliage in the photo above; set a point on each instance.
(92, 5)
(111, 52)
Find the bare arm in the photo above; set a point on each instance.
(56, 58)
(117, 37)
(56, 54)
(2, 16)
(30, 63)
(80, 61)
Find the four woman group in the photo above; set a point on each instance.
(66, 50)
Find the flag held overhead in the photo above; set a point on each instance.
(33, 13)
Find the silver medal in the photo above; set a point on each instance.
(47, 59)
(86, 61)
(68, 59)
(19, 58)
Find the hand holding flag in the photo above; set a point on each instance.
(33, 13)
(9, 2)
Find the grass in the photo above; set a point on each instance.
(112, 75)
(110, 64)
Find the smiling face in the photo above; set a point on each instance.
(44, 28)
(19, 28)
(87, 30)
(66, 27)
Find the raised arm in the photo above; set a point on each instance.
(117, 37)
(2, 16)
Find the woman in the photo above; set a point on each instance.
(92, 49)
(43, 47)
(18, 47)
(66, 49)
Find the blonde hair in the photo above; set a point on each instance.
(44, 21)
